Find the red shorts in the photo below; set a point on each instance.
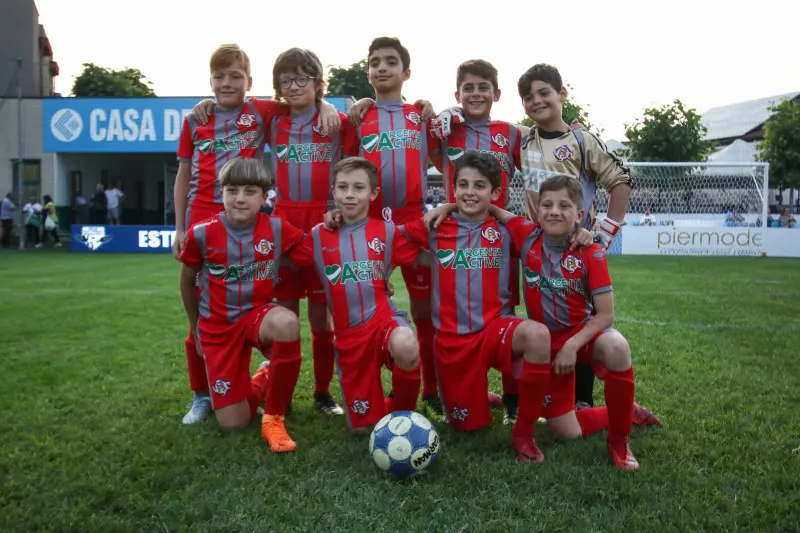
(299, 283)
(361, 352)
(462, 364)
(227, 349)
(417, 278)
(196, 213)
(561, 398)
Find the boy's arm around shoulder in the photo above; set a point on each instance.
(297, 245)
(191, 258)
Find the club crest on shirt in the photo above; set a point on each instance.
(264, 247)
(376, 245)
(246, 120)
(360, 407)
(414, 118)
(500, 140)
(491, 235)
(562, 153)
(571, 263)
(318, 131)
(221, 387)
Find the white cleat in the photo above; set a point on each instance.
(200, 409)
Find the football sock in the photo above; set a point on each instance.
(592, 420)
(425, 334)
(533, 385)
(284, 369)
(322, 351)
(618, 392)
(405, 388)
(198, 380)
(510, 385)
(258, 391)
(584, 383)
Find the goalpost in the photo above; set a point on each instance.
(687, 194)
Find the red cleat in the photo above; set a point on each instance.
(495, 400)
(527, 450)
(621, 456)
(642, 416)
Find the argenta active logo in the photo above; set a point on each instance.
(259, 271)
(355, 271)
(454, 153)
(392, 140)
(304, 153)
(558, 286)
(66, 125)
(470, 258)
(237, 141)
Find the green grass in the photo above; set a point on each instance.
(94, 386)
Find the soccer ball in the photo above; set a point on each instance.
(404, 443)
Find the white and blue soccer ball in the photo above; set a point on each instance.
(405, 444)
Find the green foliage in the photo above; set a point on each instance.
(350, 81)
(781, 145)
(570, 111)
(100, 81)
(672, 133)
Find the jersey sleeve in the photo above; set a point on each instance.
(517, 148)
(520, 228)
(434, 143)
(416, 233)
(191, 255)
(404, 251)
(594, 261)
(296, 245)
(268, 109)
(186, 142)
(607, 169)
(349, 138)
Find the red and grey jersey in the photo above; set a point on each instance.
(497, 138)
(559, 283)
(302, 158)
(237, 266)
(394, 137)
(354, 263)
(471, 276)
(227, 134)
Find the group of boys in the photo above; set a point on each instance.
(457, 263)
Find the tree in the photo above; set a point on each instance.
(100, 81)
(670, 134)
(781, 146)
(571, 110)
(350, 81)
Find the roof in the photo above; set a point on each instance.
(735, 120)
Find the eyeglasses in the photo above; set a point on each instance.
(300, 81)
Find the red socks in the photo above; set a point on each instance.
(284, 369)
(533, 385)
(258, 390)
(405, 388)
(425, 334)
(618, 392)
(592, 420)
(322, 352)
(198, 380)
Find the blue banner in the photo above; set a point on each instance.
(93, 125)
(122, 239)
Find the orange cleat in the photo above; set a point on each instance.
(527, 450)
(642, 416)
(621, 455)
(274, 432)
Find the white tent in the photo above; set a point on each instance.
(738, 151)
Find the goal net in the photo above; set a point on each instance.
(685, 194)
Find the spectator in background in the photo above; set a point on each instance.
(734, 219)
(113, 196)
(81, 209)
(98, 207)
(786, 220)
(33, 221)
(7, 207)
(50, 222)
(647, 219)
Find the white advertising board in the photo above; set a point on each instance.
(705, 241)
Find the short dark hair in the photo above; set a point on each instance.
(352, 164)
(487, 166)
(476, 67)
(298, 60)
(540, 72)
(391, 42)
(245, 171)
(560, 182)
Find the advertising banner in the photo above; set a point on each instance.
(122, 239)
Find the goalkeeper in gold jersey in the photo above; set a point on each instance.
(552, 148)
